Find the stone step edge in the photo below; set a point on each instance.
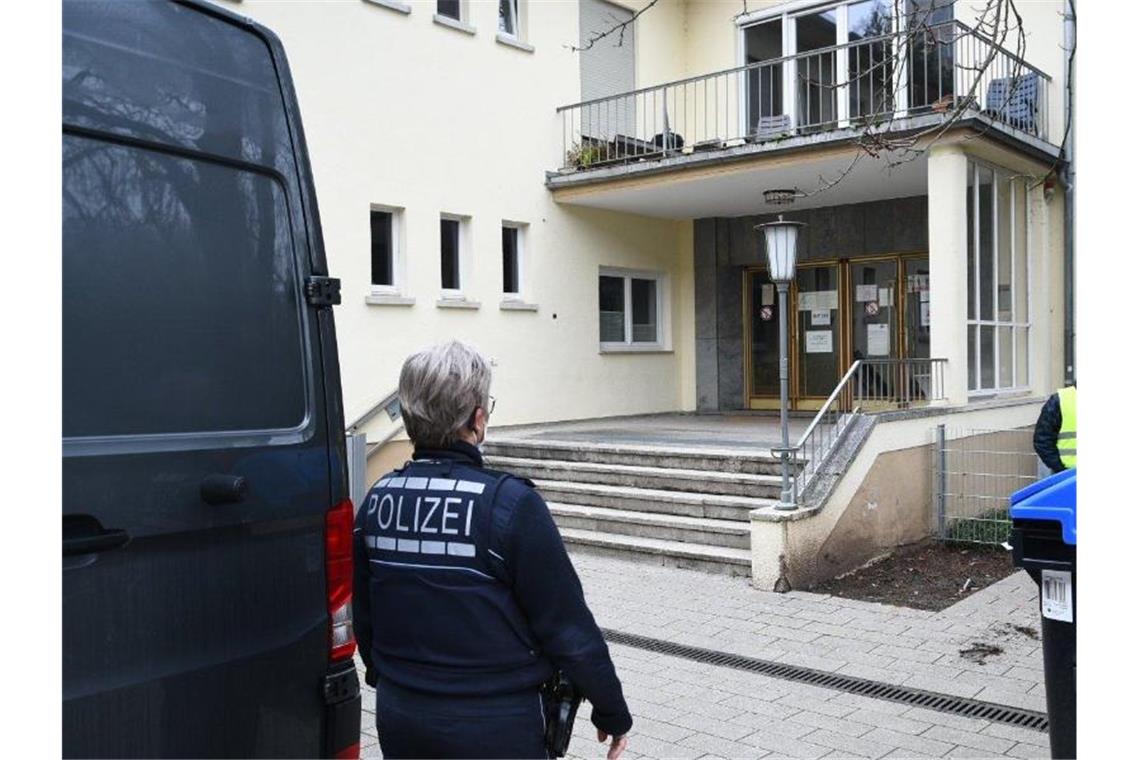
(511, 464)
(642, 545)
(653, 494)
(654, 519)
(690, 452)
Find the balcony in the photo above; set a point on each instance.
(885, 92)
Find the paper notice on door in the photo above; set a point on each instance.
(878, 340)
(767, 294)
(886, 297)
(807, 301)
(865, 293)
(817, 342)
(827, 299)
(924, 295)
(821, 317)
(924, 313)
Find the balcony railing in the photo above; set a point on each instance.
(946, 68)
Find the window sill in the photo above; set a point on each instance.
(509, 304)
(457, 303)
(388, 299)
(510, 41)
(392, 5)
(622, 348)
(451, 23)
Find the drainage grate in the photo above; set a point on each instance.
(969, 708)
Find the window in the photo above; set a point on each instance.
(383, 251)
(511, 263)
(631, 310)
(449, 8)
(509, 17)
(182, 309)
(997, 269)
(449, 241)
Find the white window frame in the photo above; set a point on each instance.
(457, 294)
(663, 342)
(399, 266)
(516, 14)
(521, 260)
(1020, 385)
(461, 24)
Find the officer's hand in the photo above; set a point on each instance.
(617, 746)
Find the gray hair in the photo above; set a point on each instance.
(440, 387)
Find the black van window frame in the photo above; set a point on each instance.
(211, 439)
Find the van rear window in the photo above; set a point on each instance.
(181, 302)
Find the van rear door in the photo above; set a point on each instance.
(198, 467)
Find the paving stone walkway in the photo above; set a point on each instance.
(684, 709)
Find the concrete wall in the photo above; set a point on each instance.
(724, 248)
(883, 500)
(405, 112)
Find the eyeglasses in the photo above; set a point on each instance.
(492, 400)
(471, 419)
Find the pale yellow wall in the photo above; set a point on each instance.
(402, 111)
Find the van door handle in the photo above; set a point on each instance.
(92, 537)
(223, 489)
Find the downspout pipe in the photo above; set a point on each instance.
(1068, 178)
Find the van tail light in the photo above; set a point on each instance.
(338, 575)
(351, 752)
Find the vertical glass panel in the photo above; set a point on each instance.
(764, 42)
(765, 323)
(916, 325)
(817, 321)
(986, 378)
(875, 307)
(449, 254)
(1005, 357)
(1021, 356)
(1020, 254)
(815, 73)
(985, 243)
(931, 60)
(972, 358)
(644, 297)
(508, 16)
(510, 260)
(611, 306)
(1004, 251)
(449, 8)
(870, 57)
(382, 269)
(971, 252)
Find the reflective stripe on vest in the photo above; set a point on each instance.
(1067, 438)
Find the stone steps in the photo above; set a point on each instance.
(690, 530)
(685, 503)
(637, 476)
(715, 559)
(668, 457)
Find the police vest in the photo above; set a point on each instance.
(439, 589)
(1067, 438)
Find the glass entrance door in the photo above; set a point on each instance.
(764, 340)
(818, 337)
(875, 324)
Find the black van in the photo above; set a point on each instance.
(206, 522)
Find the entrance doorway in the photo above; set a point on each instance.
(839, 311)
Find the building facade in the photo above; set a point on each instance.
(573, 188)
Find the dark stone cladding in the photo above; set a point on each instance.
(724, 247)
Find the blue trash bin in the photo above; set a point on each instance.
(1044, 538)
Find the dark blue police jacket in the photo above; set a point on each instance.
(463, 587)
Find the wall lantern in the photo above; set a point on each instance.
(781, 242)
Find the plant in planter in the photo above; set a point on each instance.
(582, 156)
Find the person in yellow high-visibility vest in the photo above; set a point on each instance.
(1055, 437)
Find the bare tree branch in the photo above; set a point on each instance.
(618, 28)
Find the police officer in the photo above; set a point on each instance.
(464, 598)
(1055, 435)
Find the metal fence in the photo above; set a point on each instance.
(946, 68)
(975, 471)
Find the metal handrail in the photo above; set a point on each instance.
(384, 404)
(811, 91)
(831, 423)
